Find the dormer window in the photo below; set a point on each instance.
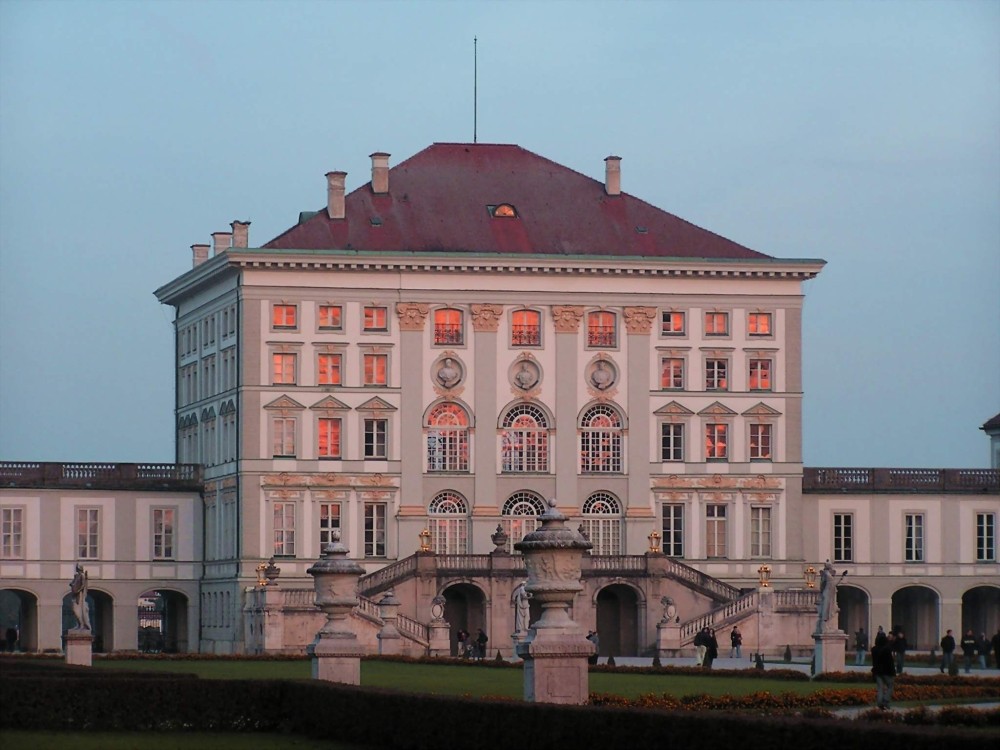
(503, 211)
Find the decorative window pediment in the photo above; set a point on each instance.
(761, 410)
(717, 410)
(207, 414)
(376, 404)
(227, 408)
(284, 402)
(673, 409)
(330, 404)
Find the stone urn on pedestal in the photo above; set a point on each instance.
(336, 652)
(555, 650)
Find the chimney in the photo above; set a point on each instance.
(613, 175)
(222, 242)
(241, 233)
(335, 194)
(380, 173)
(199, 254)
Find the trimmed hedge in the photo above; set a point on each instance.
(408, 721)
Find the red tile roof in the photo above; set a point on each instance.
(438, 198)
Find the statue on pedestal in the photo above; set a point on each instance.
(827, 605)
(521, 607)
(78, 590)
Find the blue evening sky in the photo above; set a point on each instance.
(863, 133)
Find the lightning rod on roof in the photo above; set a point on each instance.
(475, 86)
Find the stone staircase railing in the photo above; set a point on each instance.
(720, 616)
(705, 582)
(387, 577)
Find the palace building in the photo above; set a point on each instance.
(425, 360)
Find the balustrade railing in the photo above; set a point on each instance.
(388, 576)
(900, 480)
(692, 575)
(100, 475)
(718, 616)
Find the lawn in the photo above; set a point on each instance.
(11, 740)
(446, 679)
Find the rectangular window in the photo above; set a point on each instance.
(447, 327)
(12, 533)
(331, 318)
(283, 436)
(328, 437)
(843, 537)
(375, 515)
(329, 519)
(376, 438)
(716, 324)
(673, 530)
(283, 369)
(760, 375)
(671, 441)
(672, 374)
(376, 318)
(760, 531)
(376, 366)
(283, 515)
(601, 329)
(914, 542)
(87, 533)
(760, 442)
(716, 374)
(715, 531)
(163, 533)
(986, 537)
(525, 328)
(759, 324)
(284, 316)
(672, 323)
(328, 369)
(716, 442)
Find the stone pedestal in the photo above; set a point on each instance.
(668, 639)
(336, 652)
(273, 619)
(440, 640)
(390, 641)
(830, 650)
(79, 647)
(555, 650)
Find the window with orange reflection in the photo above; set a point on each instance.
(759, 324)
(504, 211)
(331, 317)
(601, 329)
(283, 368)
(672, 373)
(525, 328)
(760, 442)
(376, 318)
(284, 316)
(329, 369)
(447, 327)
(376, 368)
(716, 324)
(673, 323)
(716, 441)
(328, 437)
(716, 375)
(760, 374)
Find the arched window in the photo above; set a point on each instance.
(448, 438)
(601, 440)
(525, 328)
(447, 327)
(520, 516)
(602, 523)
(448, 522)
(524, 440)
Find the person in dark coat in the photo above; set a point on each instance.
(711, 650)
(481, 640)
(899, 649)
(983, 646)
(947, 651)
(884, 669)
(968, 649)
(860, 647)
(995, 642)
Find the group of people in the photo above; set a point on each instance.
(971, 648)
(706, 646)
(472, 648)
(897, 639)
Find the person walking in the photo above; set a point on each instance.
(968, 649)
(883, 669)
(596, 640)
(711, 649)
(481, 640)
(947, 652)
(736, 643)
(995, 642)
(983, 647)
(701, 646)
(899, 649)
(860, 647)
